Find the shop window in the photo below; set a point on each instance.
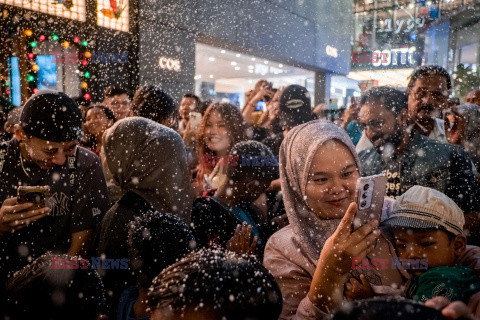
(70, 9)
(113, 14)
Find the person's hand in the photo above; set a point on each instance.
(264, 91)
(349, 115)
(241, 241)
(189, 135)
(455, 131)
(357, 290)
(474, 304)
(326, 290)
(14, 216)
(344, 244)
(451, 310)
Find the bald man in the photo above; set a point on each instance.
(473, 97)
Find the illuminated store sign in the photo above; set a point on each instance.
(331, 51)
(113, 14)
(70, 9)
(385, 58)
(169, 64)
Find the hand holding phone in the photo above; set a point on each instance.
(195, 120)
(369, 196)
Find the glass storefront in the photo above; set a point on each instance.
(225, 75)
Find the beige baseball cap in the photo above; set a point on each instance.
(426, 208)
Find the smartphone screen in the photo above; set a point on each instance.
(261, 106)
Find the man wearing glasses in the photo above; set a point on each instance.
(428, 91)
(44, 152)
(118, 100)
(409, 158)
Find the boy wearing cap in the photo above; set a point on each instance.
(427, 224)
(45, 153)
(426, 229)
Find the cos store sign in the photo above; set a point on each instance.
(170, 64)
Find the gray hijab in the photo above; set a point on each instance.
(296, 154)
(150, 159)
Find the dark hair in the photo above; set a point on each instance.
(108, 113)
(431, 70)
(112, 91)
(153, 103)
(156, 240)
(198, 102)
(390, 98)
(218, 283)
(41, 291)
(82, 101)
(255, 162)
(204, 106)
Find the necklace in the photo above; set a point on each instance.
(23, 167)
(25, 171)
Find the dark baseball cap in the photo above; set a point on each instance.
(295, 106)
(52, 115)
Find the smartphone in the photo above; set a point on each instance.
(36, 194)
(261, 106)
(369, 196)
(195, 120)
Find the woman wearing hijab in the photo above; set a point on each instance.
(311, 259)
(148, 163)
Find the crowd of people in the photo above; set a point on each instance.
(208, 211)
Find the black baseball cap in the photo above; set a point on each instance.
(295, 106)
(52, 115)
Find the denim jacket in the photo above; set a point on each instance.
(429, 163)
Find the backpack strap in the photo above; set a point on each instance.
(3, 154)
(72, 168)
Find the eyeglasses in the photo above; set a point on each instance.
(374, 124)
(436, 95)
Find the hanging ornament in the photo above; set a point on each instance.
(28, 32)
(35, 67)
(42, 38)
(65, 44)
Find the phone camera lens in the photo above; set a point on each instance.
(363, 204)
(364, 195)
(365, 187)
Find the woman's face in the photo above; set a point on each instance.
(96, 121)
(331, 180)
(217, 136)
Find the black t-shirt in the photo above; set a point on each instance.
(74, 208)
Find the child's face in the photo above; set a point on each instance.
(434, 246)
